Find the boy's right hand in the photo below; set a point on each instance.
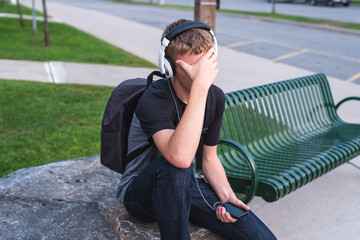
(203, 71)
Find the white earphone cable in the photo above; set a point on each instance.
(196, 179)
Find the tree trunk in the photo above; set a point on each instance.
(273, 7)
(205, 11)
(2, 3)
(20, 13)
(46, 26)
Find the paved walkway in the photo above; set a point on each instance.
(67, 72)
(324, 209)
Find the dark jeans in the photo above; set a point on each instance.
(170, 196)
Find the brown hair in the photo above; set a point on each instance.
(194, 41)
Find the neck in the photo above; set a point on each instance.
(182, 90)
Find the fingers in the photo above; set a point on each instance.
(242, 205)
(182, 64)
(239, 203)
(210, 53)
(224, 216)
(185, 67)
(202, 70)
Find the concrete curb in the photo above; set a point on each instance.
(28, 17)
(68, 72)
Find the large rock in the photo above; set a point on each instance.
(72, 199)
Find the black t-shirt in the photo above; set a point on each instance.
(156, 111)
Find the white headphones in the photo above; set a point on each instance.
(166, 65)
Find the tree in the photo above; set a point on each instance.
(20, 13)
(205, 11)
(46, 26)
(2, 3)
(273, 7)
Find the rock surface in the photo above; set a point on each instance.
(72, 199)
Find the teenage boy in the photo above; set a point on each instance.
(182, 116)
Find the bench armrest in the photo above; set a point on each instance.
(251, 164)
(345, 100)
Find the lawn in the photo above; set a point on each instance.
(44, 122)
(9, 8)
(68, 44)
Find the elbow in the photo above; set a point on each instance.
(180, 160)
(183, 165)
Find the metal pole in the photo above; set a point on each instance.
(34, 16)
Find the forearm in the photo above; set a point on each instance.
(215, 174)
(184, 141)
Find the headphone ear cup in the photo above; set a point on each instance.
(169, 67)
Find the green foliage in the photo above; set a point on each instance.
(44, 122)
(68, 44)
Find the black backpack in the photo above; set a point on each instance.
(116, 123)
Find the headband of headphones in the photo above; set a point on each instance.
(166, 66)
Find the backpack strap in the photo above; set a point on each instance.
(151, 77)
(142, 149)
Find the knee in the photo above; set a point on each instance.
(256, 229)
(172, 174)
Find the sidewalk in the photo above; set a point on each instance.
(67, 72)
(327, 208)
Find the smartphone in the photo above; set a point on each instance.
(235, 211)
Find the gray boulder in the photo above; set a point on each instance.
(72, 199)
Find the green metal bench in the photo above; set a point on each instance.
(276, 138)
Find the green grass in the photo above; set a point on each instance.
(68, 44)
(44, 122)
(349, 25)
(9, 8)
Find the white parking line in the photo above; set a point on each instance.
(290, 55)
(243, 43)
(353, 78)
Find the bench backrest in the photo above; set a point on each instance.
(279, 112)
